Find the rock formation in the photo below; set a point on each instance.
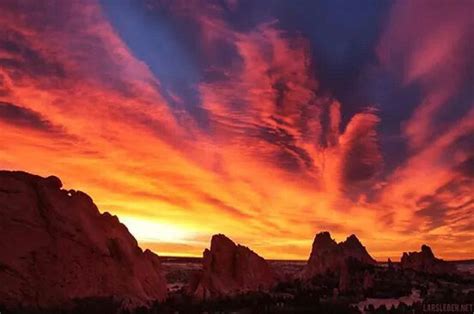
(230, 269)
(345, 278)
(390, 265)
(329, 256)
(55, 248)
(354, 275)
(426, 262)
(369, 281)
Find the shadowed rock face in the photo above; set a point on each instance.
(55, 246)
(329, 256)
(426, 262)
(230, 269)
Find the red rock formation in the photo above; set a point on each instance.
(353, 275)
(55, 247)
(353, 248)
(368, 281)
(329, 256)
(426, 262)
(345, 278)
(390, 265)
(230, 269)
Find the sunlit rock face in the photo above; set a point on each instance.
(56, 247)
(329, 256)
(230, 269)
(425, 261)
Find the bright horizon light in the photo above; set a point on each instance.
(146, 230)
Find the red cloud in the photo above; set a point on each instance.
(361, 159)
(429, 42)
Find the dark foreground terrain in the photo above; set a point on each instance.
(394, 291)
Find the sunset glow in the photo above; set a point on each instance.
(190, 118)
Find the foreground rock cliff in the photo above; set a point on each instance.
(425, 261)
(55, 247)
(230, 269)
(329, 256)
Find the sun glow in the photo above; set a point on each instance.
(147, 230)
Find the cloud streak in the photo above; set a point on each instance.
(26, 118)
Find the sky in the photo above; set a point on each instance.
(268, 121)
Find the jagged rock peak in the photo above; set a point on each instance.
(230, 269)
(426, 250)
(353, 240)
(328, 255)
(219, 241)
(323, 240)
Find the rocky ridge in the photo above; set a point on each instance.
(426, 262)
(56, 247)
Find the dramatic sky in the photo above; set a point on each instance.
(268, 121)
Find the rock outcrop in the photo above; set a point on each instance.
(369, 281)
(56, 248)
(425, 261)
(390, 265)
(329, 256)
(354, 275)
(230, 269)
